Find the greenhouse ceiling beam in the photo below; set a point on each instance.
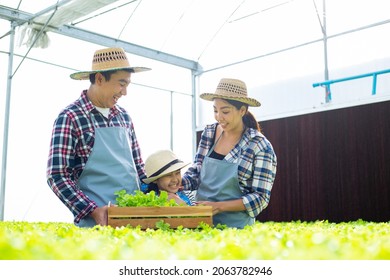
(96, 38)
(21, 17)
(387, 21)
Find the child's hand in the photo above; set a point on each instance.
(175, 197)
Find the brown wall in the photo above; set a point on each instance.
(332, 165)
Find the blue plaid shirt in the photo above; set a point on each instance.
(71, 144)
(256, 170)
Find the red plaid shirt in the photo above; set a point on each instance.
(71, 144)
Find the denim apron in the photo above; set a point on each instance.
(219, 182)
(110, 168)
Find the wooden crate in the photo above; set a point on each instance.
(147, 217)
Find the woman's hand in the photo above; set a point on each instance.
(224, 206)
(215, 205)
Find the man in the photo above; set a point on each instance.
(94, 151)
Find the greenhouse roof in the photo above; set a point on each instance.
(199, 35)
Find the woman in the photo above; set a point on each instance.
(235, 165)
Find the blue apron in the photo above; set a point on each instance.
(110, 168)
(219, 182)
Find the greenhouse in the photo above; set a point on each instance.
(320, 68)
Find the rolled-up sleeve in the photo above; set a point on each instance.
(263, 176)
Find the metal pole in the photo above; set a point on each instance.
(328, 96)
(171, 121)
(6, 122)
(194, 114)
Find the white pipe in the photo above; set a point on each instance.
(6, 122)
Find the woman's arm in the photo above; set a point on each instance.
(263, 176)
(224, 206)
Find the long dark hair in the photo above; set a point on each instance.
(248, 119)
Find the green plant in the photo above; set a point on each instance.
(139, 198)
(320, 240)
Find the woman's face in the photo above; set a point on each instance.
(228, 116)
(170, 182)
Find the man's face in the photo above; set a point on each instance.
(112, 90)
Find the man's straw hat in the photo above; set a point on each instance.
(231, 89)
(160, 164)
(106, 60)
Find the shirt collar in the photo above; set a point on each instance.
(87, 105)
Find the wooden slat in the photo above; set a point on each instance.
(147, 217)
(159, 211)
(151, 222)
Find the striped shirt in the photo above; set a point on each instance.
(256, 167)
(187, 196)
(72, 143)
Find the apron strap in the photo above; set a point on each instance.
(215, 143)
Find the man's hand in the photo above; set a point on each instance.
(100, 215)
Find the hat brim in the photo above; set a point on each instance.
(84, 75)
(172, 168)
(247, 100)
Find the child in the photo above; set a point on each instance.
(163, 171)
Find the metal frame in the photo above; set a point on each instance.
(17, 18)
(374, 75)
(20, 18)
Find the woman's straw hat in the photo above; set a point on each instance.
(106, 60)
(231, 89)
(160, 164)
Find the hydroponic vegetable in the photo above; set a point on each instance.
(139, 198)
(355, 240)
